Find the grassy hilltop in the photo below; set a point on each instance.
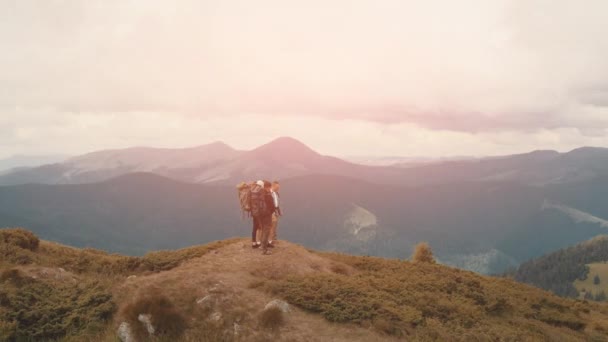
(218, 292)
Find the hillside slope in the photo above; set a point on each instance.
(561, 271)
(219, 292)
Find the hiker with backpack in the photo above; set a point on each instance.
(245, 191)
(262, 207)
(265, 215)
(258, 202)
(274, 191)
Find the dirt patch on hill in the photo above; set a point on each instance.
(223, 291)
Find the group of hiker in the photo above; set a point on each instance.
(260, 201)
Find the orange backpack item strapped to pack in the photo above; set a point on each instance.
(244, 192)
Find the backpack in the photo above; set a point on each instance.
(243, 190)
(258, 201)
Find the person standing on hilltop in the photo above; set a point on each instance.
(257, 191)
(274, 191)
(265, 219)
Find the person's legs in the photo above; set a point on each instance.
(265, 224)
(255, 231)
(273, 228)
(258, 235)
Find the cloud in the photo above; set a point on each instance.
(467, 66)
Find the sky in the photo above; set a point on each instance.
(347, 77)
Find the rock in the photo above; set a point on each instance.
(217, 288)
(207, 302)
(147, 321)
(215, 317)
(282, 305)
(124, 332)
(131, 277)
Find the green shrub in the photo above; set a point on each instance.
(356, 299)
(4, 300)
(20, 237)
(17, 246)
(8, 331)
(498, 307)
(14, 277)
(423, 253)
(428, 300)
(50, 311)
(165, 317)
(10, 275)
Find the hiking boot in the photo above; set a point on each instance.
(255, 245)
(270, 245)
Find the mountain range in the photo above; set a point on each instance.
(485, 215)
(218, 163)
(22, 161)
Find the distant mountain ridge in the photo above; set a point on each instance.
(102, 165)
(146, 159)
(285, 157)
(486, 227)
(23, 161)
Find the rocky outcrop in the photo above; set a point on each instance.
(281, 305)
(125, 331)
(146, 320)
(125, 334)
(207, 302)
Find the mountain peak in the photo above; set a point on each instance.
(218, 143)
(596, 155)
(286, 146)
(219, 146)
(588, 149)
(287, 140)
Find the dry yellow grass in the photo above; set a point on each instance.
(229, 273)
(495, 307)
(433, 302)
(587, 285)
(423, 253)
